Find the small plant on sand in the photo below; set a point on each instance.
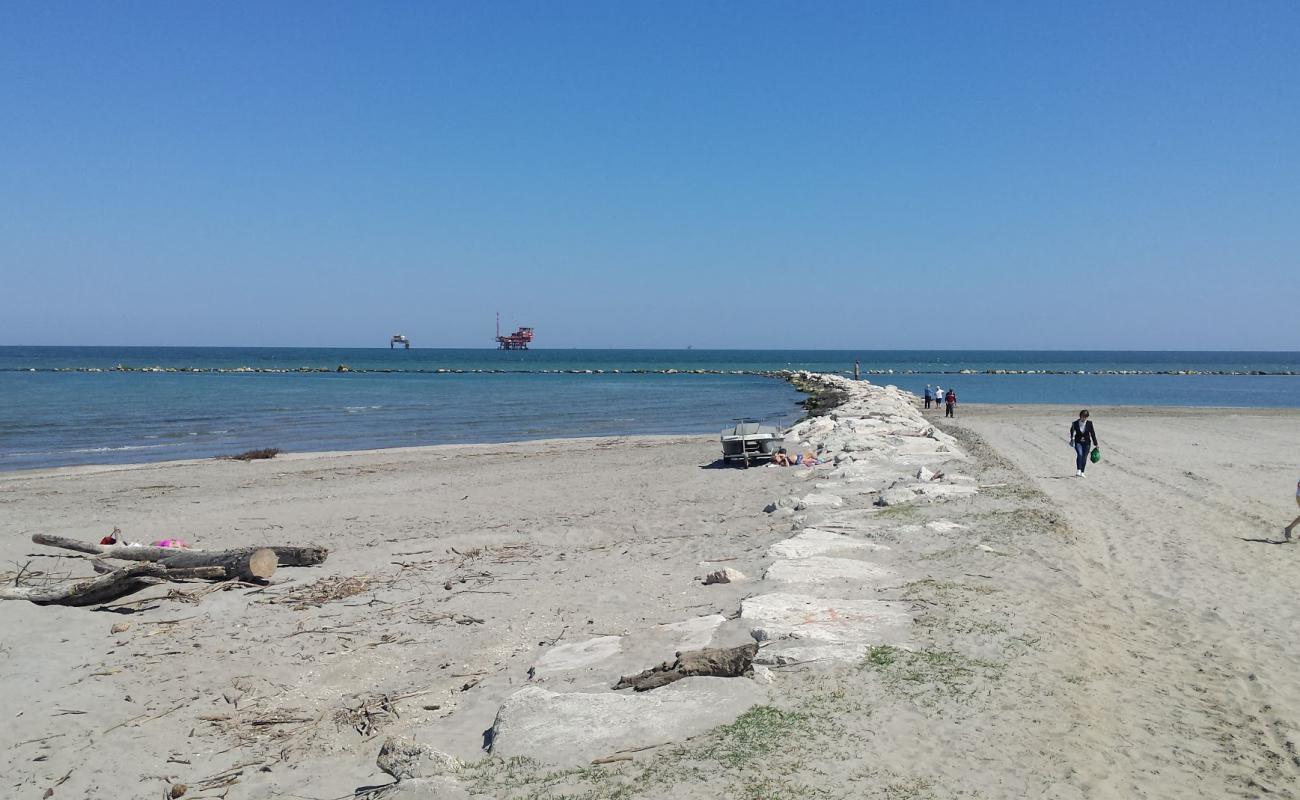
(882, 656)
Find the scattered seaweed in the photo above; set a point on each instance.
(255, 455)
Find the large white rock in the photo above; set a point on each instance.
(944, 525)
(819, 500)
(579, 654)
(896, 496)
(598, 663)
(574, 728)
(781, 503)
(815, 542)
(696, 632)
(825, 620)
(817, 570)
(946, 490)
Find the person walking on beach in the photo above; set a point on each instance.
(949, 402)
(929, 395)
(938, 396)
(1287, 531)
(1083, 438)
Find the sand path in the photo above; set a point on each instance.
(1188, 619)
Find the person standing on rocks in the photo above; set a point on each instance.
(929, 395)
(1083, 437)
(949, 402)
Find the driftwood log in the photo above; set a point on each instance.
(180, 574)
(90, 591)
(722, 662)
(248, 563)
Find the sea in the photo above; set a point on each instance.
(63, 406)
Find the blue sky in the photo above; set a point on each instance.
(802, 175)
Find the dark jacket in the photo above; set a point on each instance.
(1083, 433)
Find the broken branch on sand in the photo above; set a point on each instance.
(90, 591)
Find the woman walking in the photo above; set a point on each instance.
(1083, 438)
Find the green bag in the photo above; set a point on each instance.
(1096, 455)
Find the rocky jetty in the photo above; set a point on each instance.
(818, 600)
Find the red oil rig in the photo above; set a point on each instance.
(515, 341)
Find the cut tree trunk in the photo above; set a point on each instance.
(91, 591)
(249, 563)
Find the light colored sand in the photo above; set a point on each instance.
(1188, 626)
(1107, 638)
(583, 537)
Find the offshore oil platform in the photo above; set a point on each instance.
(514, 341)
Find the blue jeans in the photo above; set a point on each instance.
(1081, 452)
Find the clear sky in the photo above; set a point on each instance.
(718, 174)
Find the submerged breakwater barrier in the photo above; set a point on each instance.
(783, 373)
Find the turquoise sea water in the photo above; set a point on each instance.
(53, 414)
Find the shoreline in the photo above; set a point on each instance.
(972, 407)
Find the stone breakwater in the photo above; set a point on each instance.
(635, 371)
(818, 601)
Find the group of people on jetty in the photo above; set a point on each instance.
(940, 399)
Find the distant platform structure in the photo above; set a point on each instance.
(518, 340)
(399, 339)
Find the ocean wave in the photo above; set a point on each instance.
(84, 450)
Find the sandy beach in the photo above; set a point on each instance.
(1021, 633)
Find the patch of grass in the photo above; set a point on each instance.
(744, 750)
(962, 625)
(766, 788)
(754, 734)
(924, 675)
(883, 784)
(943, 591)
(905, 511)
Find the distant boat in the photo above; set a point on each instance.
(399, 339)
